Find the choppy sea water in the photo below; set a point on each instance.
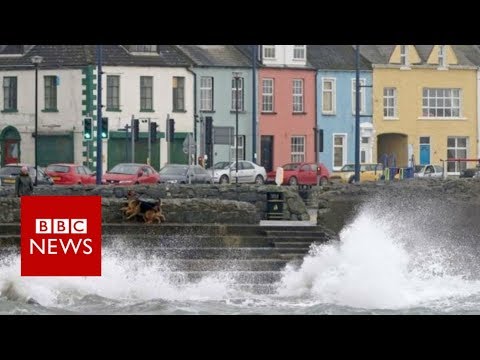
(385, 263)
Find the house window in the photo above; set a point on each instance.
(50, 92)
(456, 149)
(404, 55)
(299, 52)
(240, 94)
(143, 48)
(362, 96)
(441, 56)
(113, 92)
(241, 148)
(297, 146)
(206, 93)
(298, 96)
(328, 96)
(267, 95)
(269, 51)
(441, 103)
(389, 102)
(10, 93)
(339, 151)
(363, 156)
(178, 89)
(146, 93)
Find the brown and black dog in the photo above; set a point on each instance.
(132, 207)
(154, 214)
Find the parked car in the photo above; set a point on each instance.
(368, 172)
(302, 174)
(248, 172)
(70, 174)
(9, 172)
(185, 174)
(423, 171)
(470, 173)
(131, 174)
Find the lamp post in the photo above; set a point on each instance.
(36, 61)
(236, 76)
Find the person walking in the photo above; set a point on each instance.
(23, 183)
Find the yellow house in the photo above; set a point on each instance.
(424, 103)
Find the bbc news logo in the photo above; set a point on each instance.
(61, 235)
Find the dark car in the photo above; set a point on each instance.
(9, 172)
(470, 173)
(185, 174)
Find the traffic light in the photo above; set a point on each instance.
(171, 129)
(208, 130)
(153, 132)
(87, 129)
(136, 129)
(104, 128)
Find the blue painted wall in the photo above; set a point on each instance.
(223, 114)
(343, 121)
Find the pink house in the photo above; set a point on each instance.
(286, 106)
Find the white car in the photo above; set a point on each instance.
(424, 171)
(248, 172)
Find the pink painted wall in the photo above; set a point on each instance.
(283, 123)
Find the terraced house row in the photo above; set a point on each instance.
(419, 103)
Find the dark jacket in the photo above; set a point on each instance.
(23, 185)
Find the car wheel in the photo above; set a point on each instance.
(323, 181)
(137, 183)
(259, 180)
(224, 179)
(352, 179)
(293, 181)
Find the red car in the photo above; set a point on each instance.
(302, 174)
(131, 174)
(70, 174)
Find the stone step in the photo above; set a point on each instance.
(219, 264)
(235, 277)
(257, 289)
(293, 245)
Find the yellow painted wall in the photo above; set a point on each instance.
(451, 57)
(413, 57)
(409, 84)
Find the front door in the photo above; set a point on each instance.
(11, 151)
(267, 152)
(424, 150)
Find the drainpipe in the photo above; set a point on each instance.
(254, 104)
(478, 113)
(317, 128)
(189, 69)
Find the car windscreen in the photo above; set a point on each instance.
(418, 168)
(10, 170)
(222, 165)
(174, 170)
(290, 167)
(125, 169)
(348, 167)
(58, 168)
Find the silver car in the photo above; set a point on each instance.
(248, 172)
(184, 174)
(425, 171)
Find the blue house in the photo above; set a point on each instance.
(335, 93)
(219, 71)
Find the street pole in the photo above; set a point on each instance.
(254, 104)
(36, 124)
(236, 76)
(133, 139)
(99, 116)
(149, 143)
(357, 114)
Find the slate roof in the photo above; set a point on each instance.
(75, 56)
(335, 57)
(215, 55)
(467, 55)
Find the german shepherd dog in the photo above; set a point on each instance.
(149, 211)
(132, 207)
(154, 214)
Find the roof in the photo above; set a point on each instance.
(215, 55)
(76, 56)
(335, 57)
(467, 55)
